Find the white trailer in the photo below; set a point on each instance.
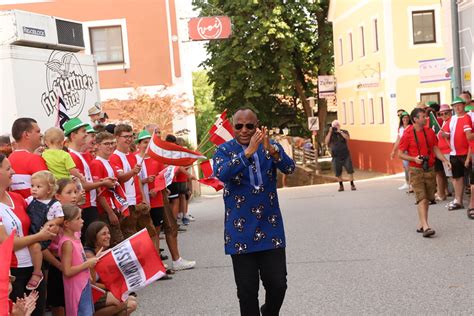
(42, 74)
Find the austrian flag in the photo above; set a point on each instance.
(131, 265)
(172, 154)
(223, 133)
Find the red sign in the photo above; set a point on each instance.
(209, 28)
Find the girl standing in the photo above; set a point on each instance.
(402, 127)
(76, 275)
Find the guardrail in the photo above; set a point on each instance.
(305, 157)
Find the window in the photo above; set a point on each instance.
(344, 113)
(376, 35)
(351, 52)
(371, 111)
(430, 96)
(351, 117)
(423, 27)
(362, 42)
(107, 45)
(382, 113)
(341, 52)
(362, 111)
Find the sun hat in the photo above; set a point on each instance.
(72, 125)
(458, 100)
(94, 110)
(444, 108)
(89, 129)
(142, 135)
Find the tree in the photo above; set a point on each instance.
(274, 55)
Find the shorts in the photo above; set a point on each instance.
(170, 225)
(338, 163)
(457, 166)
(423, 184)
(128, 224)
(156, 214)
(116, 235)
(438, 166)
(55, 287)
(174, 191)
(144, 219)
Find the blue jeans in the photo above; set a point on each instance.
(86, 306)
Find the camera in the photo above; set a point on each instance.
(334, 129)
(425, 162)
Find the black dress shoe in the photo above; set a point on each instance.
(163, 257)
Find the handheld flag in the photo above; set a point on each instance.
(223, 133)
(209, 179)
(165, 178)
(119, 200)
(434, 123)
(97, 293)
(172, 154)
(6, 249)
(218, 122)
(131, 265)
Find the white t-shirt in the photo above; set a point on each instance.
(401, 130)
(55, 211)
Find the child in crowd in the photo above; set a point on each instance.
(67, 194)
(42, 207)
(59, 162)
(76, 275)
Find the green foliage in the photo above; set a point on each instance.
(272, 60)
(204, 108)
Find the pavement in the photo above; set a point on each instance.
(348, 253)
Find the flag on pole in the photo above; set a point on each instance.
(434, 123)
(62, 113)
(209, 179)
(172, 154)
(119, 200)
(223, 133)
(6, 249)
(218, 122)
(131, 265)
(165, 178)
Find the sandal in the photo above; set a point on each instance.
(455, 206)
(419, 230)
(428, 232)
(470, 213)
(33, 284)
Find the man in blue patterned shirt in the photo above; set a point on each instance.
(254, 235)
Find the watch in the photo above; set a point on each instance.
(277, 149)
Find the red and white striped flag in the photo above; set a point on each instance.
(119, 200)
(218, 122)
(172, 154)
(131, 265)
(165, 178)
(209, 179)
(223, 133)
(97, 293)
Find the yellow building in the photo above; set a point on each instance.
(389, 55)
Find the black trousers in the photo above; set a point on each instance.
(270, 266)
(23, 275)
(89, 215)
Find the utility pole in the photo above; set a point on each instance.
(456, 75)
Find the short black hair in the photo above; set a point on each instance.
(246, 108)
(21, 125)
(435, 107)
(415, 112)
(5, 140)
(171, 138)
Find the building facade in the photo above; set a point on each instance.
(135, 43)
(389, 55)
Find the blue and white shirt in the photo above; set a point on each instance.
(253, 220)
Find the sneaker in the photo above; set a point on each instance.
(191, 218)
(182, 264)
(404, 187)
(186, 221)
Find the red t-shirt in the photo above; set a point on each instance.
(133, 197)
(443, 143)
(25, 164)
(180, 177)
(457, 128)
(408, 143)
(99, 172)
(17, 218)
(153, 168)
(83, 165)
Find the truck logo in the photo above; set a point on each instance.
(65, 82)
(33, 31)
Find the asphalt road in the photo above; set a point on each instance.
(348, 253)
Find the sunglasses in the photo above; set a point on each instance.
(444, 113)
(249, 126)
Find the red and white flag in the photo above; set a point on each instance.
(209, 179)
(119, 200)
(218, 122)
(131, 265)
(6, 249)
(172, 154)
(97, 293)
(165, 178)
(223, 133)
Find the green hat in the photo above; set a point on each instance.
(142, 135)
(458, 100)
(72, 125)
(89, 129)
(469, 108)
(430, 103)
